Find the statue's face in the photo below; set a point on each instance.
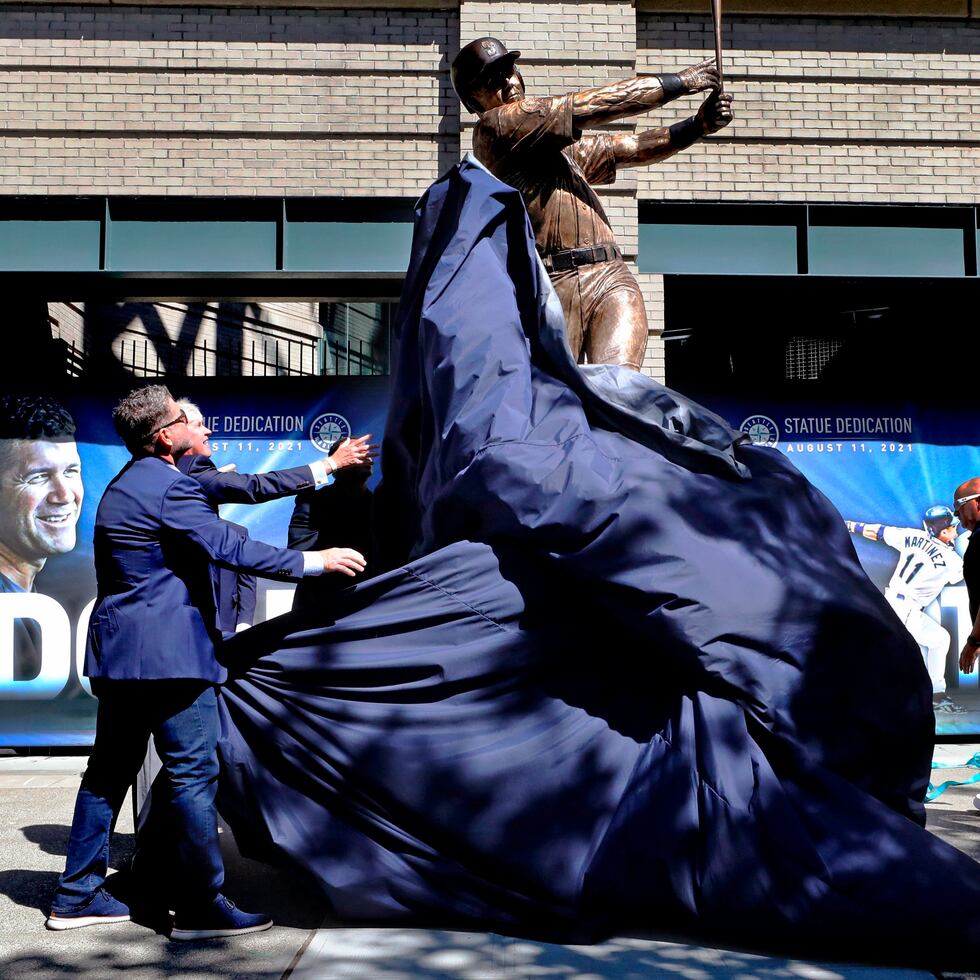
(498, 88)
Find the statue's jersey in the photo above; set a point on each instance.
(925, 565)
(533, 145)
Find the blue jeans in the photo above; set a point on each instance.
(182, 717)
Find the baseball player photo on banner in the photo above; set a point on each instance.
(58, 452)
(891, 470)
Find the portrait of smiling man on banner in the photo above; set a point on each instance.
(41, 496)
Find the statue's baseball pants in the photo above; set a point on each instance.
(606, 321)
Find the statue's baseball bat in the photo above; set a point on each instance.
(716, 16)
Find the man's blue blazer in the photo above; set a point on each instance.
(244, 488)
(235, 593)
(155, 538)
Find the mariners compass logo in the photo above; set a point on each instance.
(327, 429)
(761, 430)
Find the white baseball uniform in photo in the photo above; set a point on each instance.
(925, 567)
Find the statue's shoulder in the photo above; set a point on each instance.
(531, 106)
(529, 124)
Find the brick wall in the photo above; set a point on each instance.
(235, 165)
(201, 100)
(253, 100)
(652, 287)
(589, 33)
(829, 109)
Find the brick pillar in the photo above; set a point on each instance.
(652, 287)
(567, 45)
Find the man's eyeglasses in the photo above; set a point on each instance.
(960, 501)
(166, 425)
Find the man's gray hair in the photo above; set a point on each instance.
(140, 414)
(189, 409)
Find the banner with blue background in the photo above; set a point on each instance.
(258, 424)
(883, 463)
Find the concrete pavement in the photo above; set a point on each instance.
(36, 797)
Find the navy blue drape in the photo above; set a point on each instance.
(624, 669)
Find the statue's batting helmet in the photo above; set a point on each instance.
(473, 61)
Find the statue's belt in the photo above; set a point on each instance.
(572, 258)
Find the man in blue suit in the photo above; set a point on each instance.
(234, 591)
(150, 654)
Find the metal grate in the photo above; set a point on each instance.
(262, 357)
(806, 357)
(358, 337)
(349, 339)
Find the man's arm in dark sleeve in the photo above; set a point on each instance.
(304, 524)
(185, 511)
(246, 488)
(247, 597)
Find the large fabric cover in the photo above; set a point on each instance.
(624, 670)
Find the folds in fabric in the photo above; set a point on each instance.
(623, 670)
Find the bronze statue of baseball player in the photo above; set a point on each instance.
(536, 145)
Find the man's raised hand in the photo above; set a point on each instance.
(352, 452)
(347, 561)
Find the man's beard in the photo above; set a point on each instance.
(181, 447)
